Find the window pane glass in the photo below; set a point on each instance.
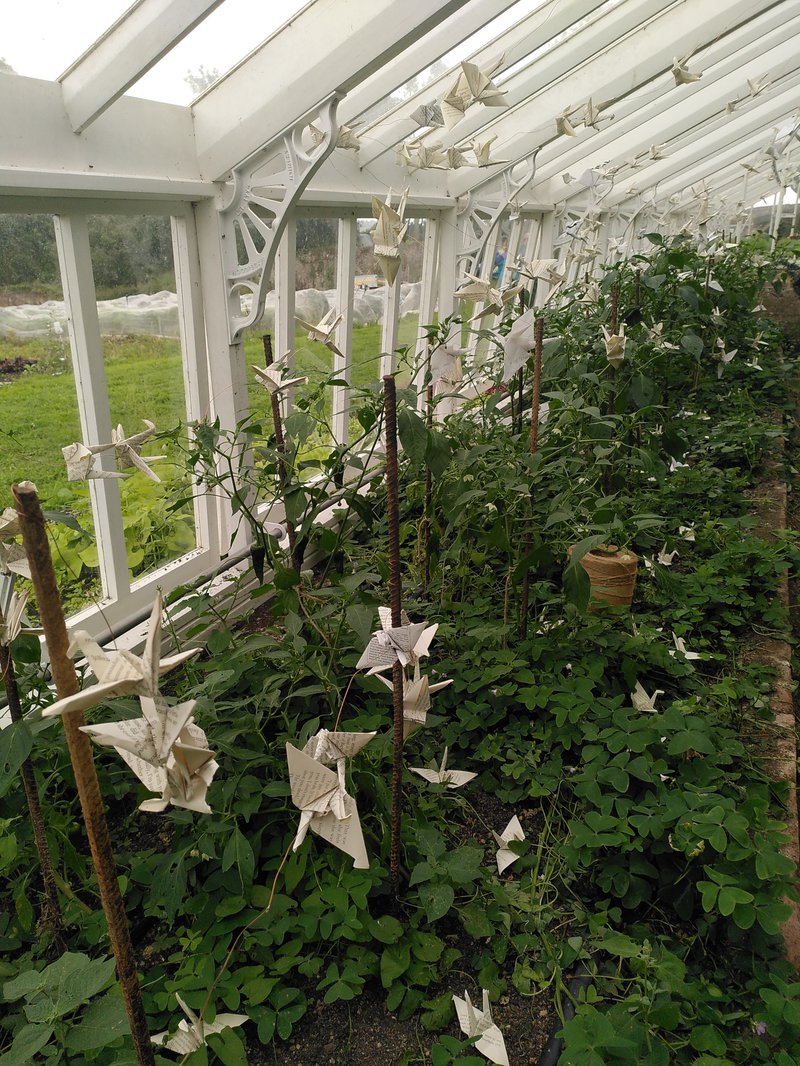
(138, 311)
(38, 401)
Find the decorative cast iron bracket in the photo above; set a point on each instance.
(479, 211)
(266, 186)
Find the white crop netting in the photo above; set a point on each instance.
(157, 314)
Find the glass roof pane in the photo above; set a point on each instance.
(227, 36)
(41, 39)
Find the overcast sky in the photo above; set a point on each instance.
(41, 38)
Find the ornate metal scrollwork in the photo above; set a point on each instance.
(479, 211)
(265, 186)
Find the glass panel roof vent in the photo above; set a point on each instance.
(221, 41)
(41, 39)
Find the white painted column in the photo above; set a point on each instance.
(343, 364)
(391, 319)
(228, 393)
(427, 303)
(195, 361)
(285, 286)
(75, 260)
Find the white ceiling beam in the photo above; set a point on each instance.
(126, 51)
(143, 149)
(438, 42)
(640, 121)
(641, 56)
(315, 54)
(515, 44)
(705, 149)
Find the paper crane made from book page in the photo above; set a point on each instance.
(128, 450)
(192, 1031)
(479, 1023)
(13, 559)
(389, 233)
(326, 808)
(406, 643)
(495, 302)
(120, 673)
(443, 776)
(272, 378)
(167, 752)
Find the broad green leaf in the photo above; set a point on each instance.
(239, 852)
(16, 741)
(28, 1040)
(395, 960)
(413, 434)
(437, 899)
(102, 1023)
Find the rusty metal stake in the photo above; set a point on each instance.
(396, 604)
(50, 915)
(37, 548)
(280, 445)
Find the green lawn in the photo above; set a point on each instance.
(39, 410)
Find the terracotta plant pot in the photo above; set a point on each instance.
(612, 575)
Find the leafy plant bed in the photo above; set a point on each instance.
(652, 852)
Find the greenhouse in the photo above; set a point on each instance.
(399, 558)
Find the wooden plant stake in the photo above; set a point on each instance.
(395, 602)
(37, 548)
(50, 915)
(280, 445)
(538, 338)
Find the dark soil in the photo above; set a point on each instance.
(363, 1033)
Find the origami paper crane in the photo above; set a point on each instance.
(12, 610)
(656, 151)
(615, 346)
(592, 114)
(416, 699)
(454, 158)
(320, 794)
(681, 73)
(480, 84)
(540, 268)
(723, 356)
(418, 156)
(680, 648)
(644, 703)
(128, 450)
(479, 1023)
(406, 644)
(443, 776)
(389, 233)
(323, 331)
(345, 137)
(515, 208)
(120, 673)
(505, 856)
(656, 335)
(455, 102)
(518, 343)
(473, 85)
(13, 559)
(167, 752)
(482, 150)
(686, 533)
(564, 125)
(192, 1031)
(272, 377)
(81, 459)
(446, 362)
(428, 115)
(493, 300)
(665, 557)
